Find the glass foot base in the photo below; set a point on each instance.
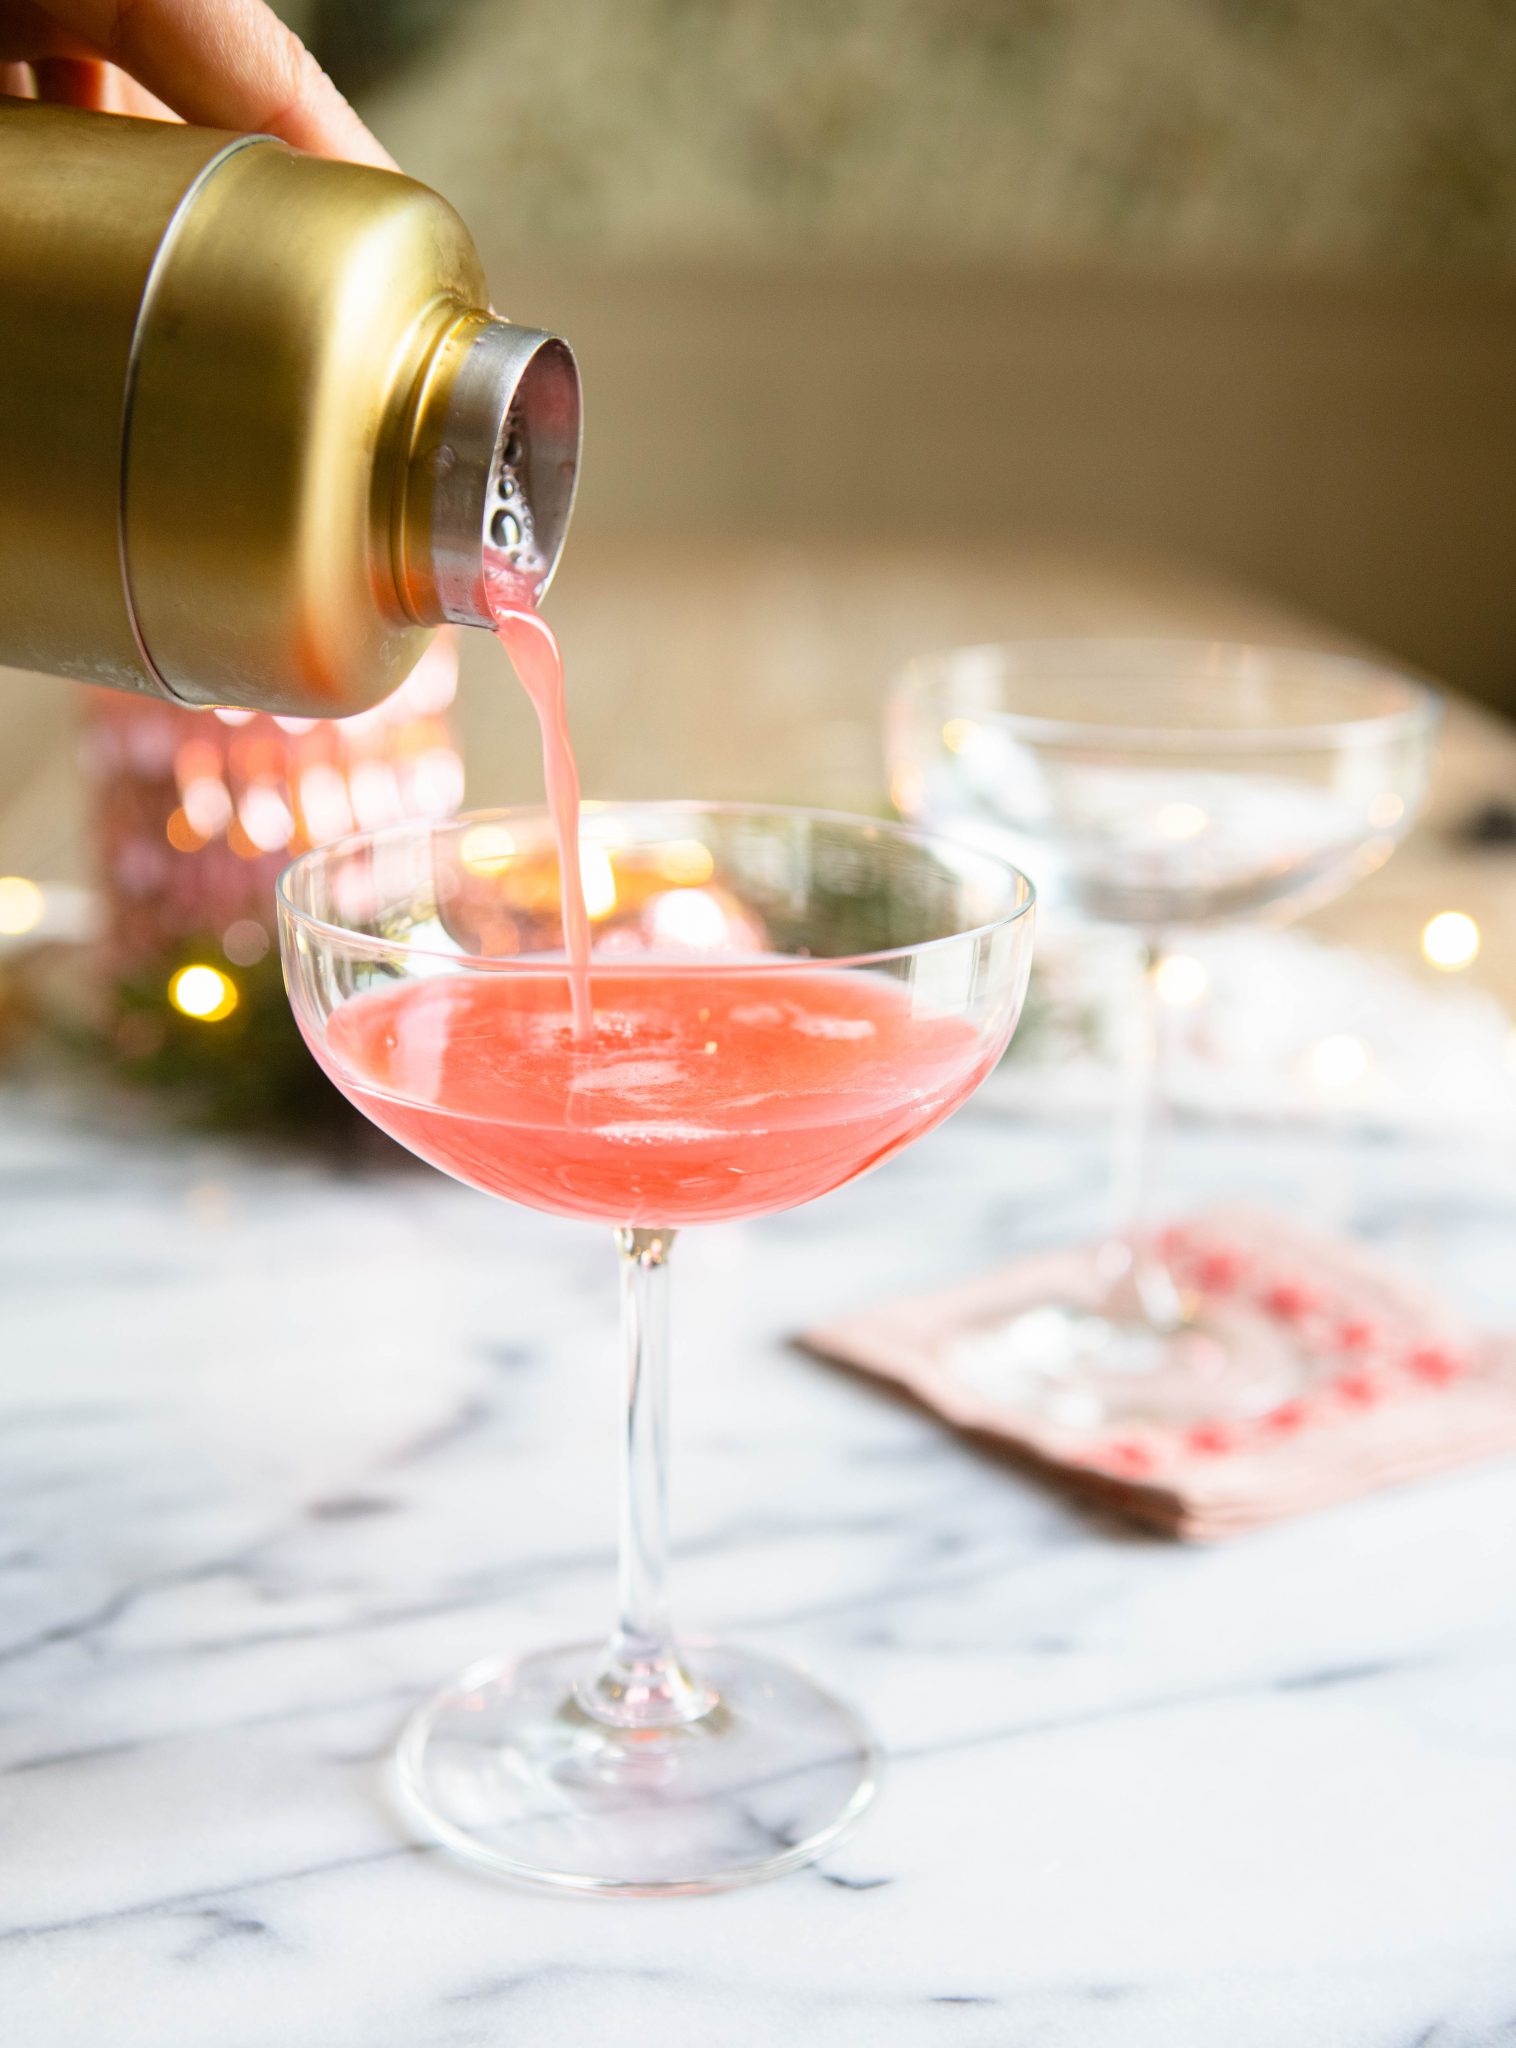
(1083, 1369)
(505, 1767)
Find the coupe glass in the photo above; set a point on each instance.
(1157, 785)
(782, 999)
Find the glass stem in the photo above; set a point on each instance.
(643, 1682)
(1138, 1281)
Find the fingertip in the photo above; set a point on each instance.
(359, 146)
(233, 64)
(321, 118)
(345, 141)
(322, 121)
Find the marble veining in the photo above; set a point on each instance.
(281, 1446)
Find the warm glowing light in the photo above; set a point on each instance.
(356, 732)
(432, 684)
(229, 716)
(207, 805)
(599, 879)
(296, 724)
(605, 831)
(324, 804)
(1450, 940)
(181, 834)
(1386, 809)
(959, 734)
(906, 791)
(259, 757)
(375, 794)
(1340, 1061)
(687, 862)
(245, 942)
(194, 758)
(266, 817)
(487, 849)
(689, 917)
(1180, 980)
(204, 993)
(437, 782)
(1181, 821)
(21, 906)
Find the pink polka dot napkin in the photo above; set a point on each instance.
(1392, 1385)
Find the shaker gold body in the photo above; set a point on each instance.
(219, 360)
(77, 240)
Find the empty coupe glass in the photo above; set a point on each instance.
(1157, 785)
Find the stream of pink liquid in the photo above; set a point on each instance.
(538, 661)
(690, 1096)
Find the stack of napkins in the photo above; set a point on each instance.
(1390, 1384)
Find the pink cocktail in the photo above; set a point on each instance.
(690, 1098)
(775, 1002)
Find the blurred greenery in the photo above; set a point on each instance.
(249, 1071)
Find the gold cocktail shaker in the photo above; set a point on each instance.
(259, 432)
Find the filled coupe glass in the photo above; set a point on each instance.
(777, 1001)
(1159, 786)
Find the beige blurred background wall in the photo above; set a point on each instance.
(1229, 279)
(1348, 444)
(1175, 288)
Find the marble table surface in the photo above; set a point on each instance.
(282, 1445)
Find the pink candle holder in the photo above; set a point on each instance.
(195, 812)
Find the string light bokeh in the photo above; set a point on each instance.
(1450, 940)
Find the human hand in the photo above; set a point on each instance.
(219, 63)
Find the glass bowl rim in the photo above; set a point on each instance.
(290, 913)
(1422, 711)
